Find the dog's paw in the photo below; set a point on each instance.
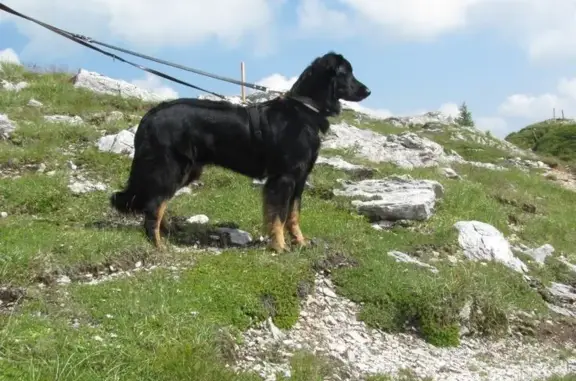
(277, 247)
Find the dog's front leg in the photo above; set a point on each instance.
(277, 193)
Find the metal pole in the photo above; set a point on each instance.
(243, 79)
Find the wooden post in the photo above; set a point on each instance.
(243, 79)
(554, 113)
(562, 114)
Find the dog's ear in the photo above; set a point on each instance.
(334, 63)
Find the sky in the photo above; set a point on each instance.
(511, 61)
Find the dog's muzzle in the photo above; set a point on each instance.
(364, 92)
(361, 92)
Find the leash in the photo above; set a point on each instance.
(87, 41)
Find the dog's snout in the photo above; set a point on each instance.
(367, 91)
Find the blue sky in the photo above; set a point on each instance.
(512, 61)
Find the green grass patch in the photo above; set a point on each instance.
(556, 139)
(168, 324)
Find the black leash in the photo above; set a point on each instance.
(86, 41)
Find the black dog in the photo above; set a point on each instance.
(278, 139)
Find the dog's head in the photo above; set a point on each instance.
(329, 79)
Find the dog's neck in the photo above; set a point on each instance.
(315, 90)
(306, 101)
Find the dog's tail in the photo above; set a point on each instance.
(127, 201)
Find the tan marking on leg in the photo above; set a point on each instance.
(293, 225)
(274, 229)
(277, 241)
(164, 224)
(159, 219)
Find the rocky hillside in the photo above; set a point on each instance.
(554, 137)
(439, 253)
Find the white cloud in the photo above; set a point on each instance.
(415, 19)
(277, 82)
(544, 28)
(519, 110)
(496, 125)
(450, 108)
(379, 113)
(315, 17)
(154, 84)
(539, 107)
(9, 55)
(143, 23)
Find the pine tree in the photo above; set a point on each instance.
(465, 117)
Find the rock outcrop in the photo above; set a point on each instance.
(393, 198)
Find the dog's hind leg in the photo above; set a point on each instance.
(293, 222)
(277, 192)
(153, 220)
(189, 177)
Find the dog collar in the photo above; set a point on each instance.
(305, 101)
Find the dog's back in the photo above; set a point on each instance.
(203, 132)
(175, 139)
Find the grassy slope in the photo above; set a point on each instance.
(170, 323)
(548, 138)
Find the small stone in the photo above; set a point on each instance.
(541, 253)
(63, 279)
(402, 257)
(327, 292)
(235, 237)
(120, 143)
(7, 126)
(34, 103)
(450, 173)
(71, 165)
(330, 320)
(3, 214)
(13, 87)
(277, 334)
(114, 116)
(84, 186)
(76, 120)
(198, 219)
(339, 163)
(452, 259)
(181, 191)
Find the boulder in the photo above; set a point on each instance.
(9, 86)
(120, 143)
(393, 198)
(7, 126)
(406, 150)
(436, 118)
(483, 242)
(99, 83)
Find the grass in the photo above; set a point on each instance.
(568, 377)
(554, 139)
(176, 321)
(468, 148)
